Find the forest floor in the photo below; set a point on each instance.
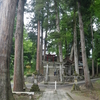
(93, 94)
(84, 94)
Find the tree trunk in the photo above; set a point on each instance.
(97, 70)
(41, 48)
(92, 48)
(88, 83)
(93, 67)
(40, 57)
(18, 78)
(71, 54)
(38, 49)
(22, 62)
(75, 47)
(45, 43)
(58, 30)
(66, 47)
(60, 52)
(71, 58)
(7, 12)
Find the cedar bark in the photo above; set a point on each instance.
(38, 49)
(7, 15)
(75, 46)
(71, 53)
(45, 41)
(71, 58)
(92, 48)
(97, 69)
(58, 30)
(88, 83)
(41, 50)
(18, 78)
(45, 45)
(22, 61)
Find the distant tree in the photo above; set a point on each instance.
(38, 13)
(7, 12)
(96, 51)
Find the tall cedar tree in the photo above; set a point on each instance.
(38, 11)
(7, 12)
(38, 49)
(75, 44)
(18, 78)
(88, 83)
(92, 47)
(58, 30)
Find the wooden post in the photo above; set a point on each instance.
(53, 58)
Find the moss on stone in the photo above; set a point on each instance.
(75, 87)
(35, 88)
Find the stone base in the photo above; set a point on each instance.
(75, 87)
(35, 88)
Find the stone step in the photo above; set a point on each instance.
(53, 83)
(53, 78)
(53, 67)
(51, 71)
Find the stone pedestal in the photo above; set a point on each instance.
(60, 72)
(75, 79)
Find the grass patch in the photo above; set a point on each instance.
(98, 82)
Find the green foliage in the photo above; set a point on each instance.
(29, 46)
(96, 51)
(28, 74)
(75, 74)
(89, 63)
(38, 8)
(28, 71)
(98, 60)
(95, 7)
(45, 12)
(11, 65)
(35, 73)
(75, 88)
(98, 81)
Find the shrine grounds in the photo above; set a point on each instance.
(63, 92)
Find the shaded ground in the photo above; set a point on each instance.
(92, 94)
(27, 97)
(22, 97)
(55, 95)
(84, 94)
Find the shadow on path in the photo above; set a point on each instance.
(58, 95)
